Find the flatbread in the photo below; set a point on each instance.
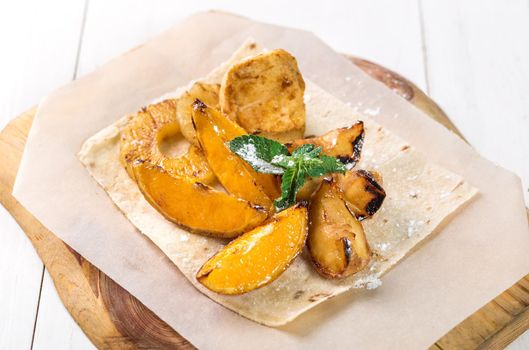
(420, 197)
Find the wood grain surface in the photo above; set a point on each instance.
(114, 319)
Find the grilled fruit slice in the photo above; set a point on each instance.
(264, 94)
(142, 137)
(231, 171)
(343, 143)
(208, 93)
(258, 257)
(196, 206)
(336, 241)
(308, 188)
(231, 130)
(362, 192)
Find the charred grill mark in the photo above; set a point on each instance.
(357, 144)
(346, 159)
(199, 106)
(375, 204)
(369, 177)
(347, 250)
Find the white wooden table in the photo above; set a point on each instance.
(471, 56)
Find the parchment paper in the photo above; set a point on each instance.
(479, 254)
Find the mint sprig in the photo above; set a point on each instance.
(270, 157)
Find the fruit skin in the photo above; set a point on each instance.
(194, 205)
(231, 171)
(336, 242)
(264, 94)
(362, 192)
(141, 139)
(257, 257)
(342, 143)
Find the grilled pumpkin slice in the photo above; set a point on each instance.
(232, 172)
(145, 132)
(257, 257)
(231, 130)
(336, 242)
(194, 205)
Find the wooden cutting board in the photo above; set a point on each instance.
(114, 319)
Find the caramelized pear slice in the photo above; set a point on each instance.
(196, 206)
(343, 143)
(362, 192)
(230, 170)
(336, 241)
(257, 257)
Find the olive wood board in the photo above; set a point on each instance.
(114, 319)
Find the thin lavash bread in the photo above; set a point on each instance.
(420, 197)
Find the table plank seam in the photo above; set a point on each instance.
(38, 307)
(424, 48)
(81, 35)
(74, 76)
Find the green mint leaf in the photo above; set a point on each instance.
(287, 182)
(259, 152)
(322, 165)
(270, 157)
(284, 161)
(291, 182)
(304, 149)
(315, 152)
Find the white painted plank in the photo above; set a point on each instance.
(20, 278)
(39, 47)
(478, 70)
(39, 42)
(384, 31)
(56, 328)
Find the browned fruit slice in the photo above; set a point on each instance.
(343, 143)
(362, 192)
(258, 257)
(231, 130)
(196, 206)
(264, 94)
(336, 242)
(231, 171)
(142, 137)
